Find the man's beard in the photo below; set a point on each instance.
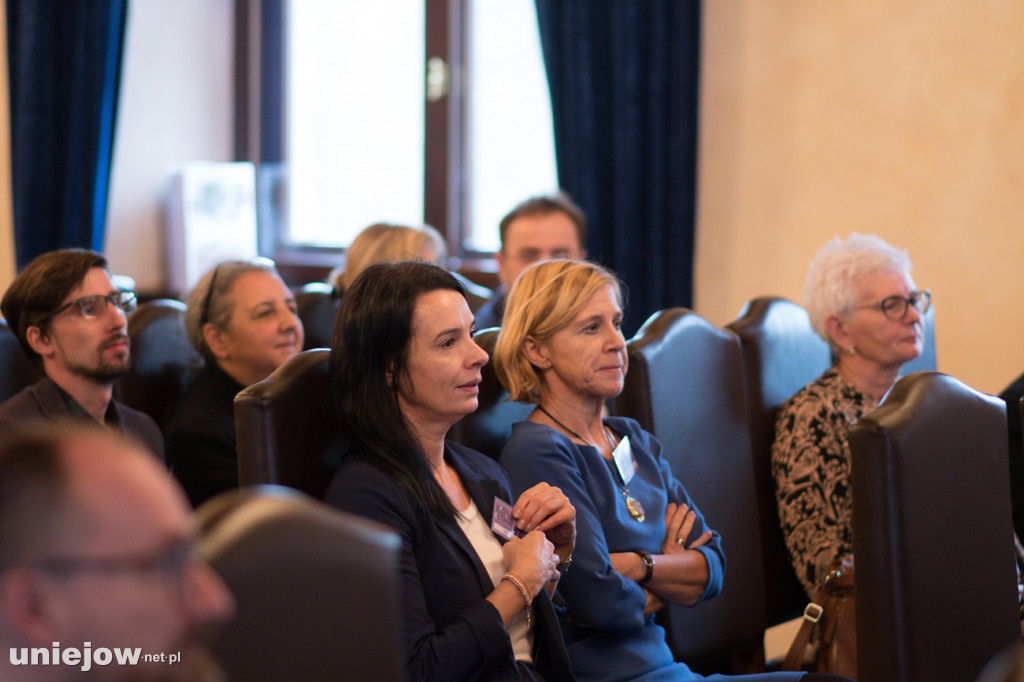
(105, 371)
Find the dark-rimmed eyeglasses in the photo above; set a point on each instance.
(91, 307)
(895, 307)
(169, 564)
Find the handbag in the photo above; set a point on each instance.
(832, 617)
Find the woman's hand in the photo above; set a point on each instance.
(532, 560)
(625, 563)
(530, 564)
(547, 509)
(653, 605)
(679, 520)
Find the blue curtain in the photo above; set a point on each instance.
(64, 60)
(624, 79)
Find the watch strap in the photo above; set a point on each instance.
(648, 560)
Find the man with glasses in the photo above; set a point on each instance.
(540, 228)
(99, 572)
(72, 321)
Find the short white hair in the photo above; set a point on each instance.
(836, 271)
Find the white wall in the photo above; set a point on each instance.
(176, 106)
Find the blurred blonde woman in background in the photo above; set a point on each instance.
(389, 243)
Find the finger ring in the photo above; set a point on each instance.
(680, 541)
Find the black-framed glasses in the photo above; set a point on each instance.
(169, 564)
(895, 307)
(91, 307)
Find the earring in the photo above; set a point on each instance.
(851, 350)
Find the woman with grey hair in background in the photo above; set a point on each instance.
(242, 319)
(862, 300)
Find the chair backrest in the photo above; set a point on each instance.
(1011, 396)
(316, 305)
(287, 427)
(163, 358)
(1020, 417)
(487, 429)
(781, 354)
(685, 385)
(16, 368)
(936, 584)
(316, 589)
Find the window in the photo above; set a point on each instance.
(394, 110)
(511, 144)
(353, 123)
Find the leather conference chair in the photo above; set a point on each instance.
(316, 304)
(685, 385)
(16, 368)
(781, 354)
(488, 428)
(1011, 396)
(287, 428)
(936, 583)
(316, 589)
(163, 358)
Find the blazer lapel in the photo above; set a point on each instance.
(482, 491)
(50, 400)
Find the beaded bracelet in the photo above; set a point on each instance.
(518, 584)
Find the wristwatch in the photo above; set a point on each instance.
(648, 566)
(563, 566)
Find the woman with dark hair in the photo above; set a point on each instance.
(404, 368)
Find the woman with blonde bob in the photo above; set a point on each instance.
(641, 541)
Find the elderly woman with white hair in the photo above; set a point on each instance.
(862, 300)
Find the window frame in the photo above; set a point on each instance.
(259, 104)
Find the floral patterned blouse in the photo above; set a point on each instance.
(811, 467)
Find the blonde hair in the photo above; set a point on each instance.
(545, 299)
(390, 243)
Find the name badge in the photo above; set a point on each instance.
(624, 462)
(502, 522)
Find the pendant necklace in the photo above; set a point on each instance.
(636, 510)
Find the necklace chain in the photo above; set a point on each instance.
(633, 505)
(604, 429)
(566, 428)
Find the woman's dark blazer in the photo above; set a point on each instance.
(452, 632)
